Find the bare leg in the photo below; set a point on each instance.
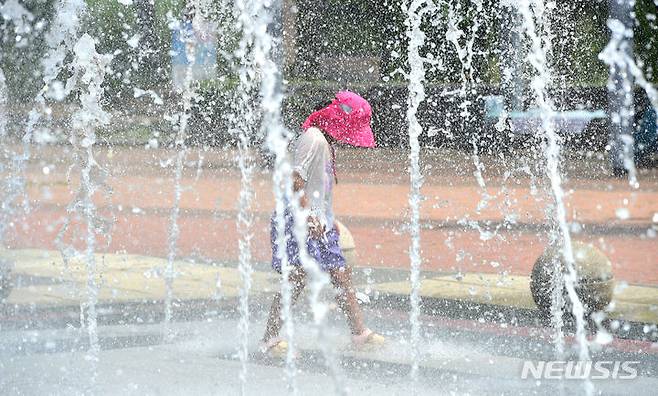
(346, 299)
(274, 322)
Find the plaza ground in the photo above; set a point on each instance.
(479, 243)
(500, 228)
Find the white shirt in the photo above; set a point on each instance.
(314, 163)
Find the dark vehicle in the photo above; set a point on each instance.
(646, 138)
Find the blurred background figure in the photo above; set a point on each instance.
(194, 42)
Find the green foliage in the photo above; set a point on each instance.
(336, 27)
(112, 24)
(116, 26)
(354, 27)
(20, 58)
(329, 28)
(580, 34)
(646, 37)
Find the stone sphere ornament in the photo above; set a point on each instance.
(595, 284)
(347, 245)
(5, 279)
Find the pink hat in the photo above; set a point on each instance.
(346, 119)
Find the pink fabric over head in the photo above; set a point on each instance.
(346, 119)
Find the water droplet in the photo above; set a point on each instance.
(576, 227)
(603, 337)
(623, 213)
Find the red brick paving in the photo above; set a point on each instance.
(373, 203)
(634, 259)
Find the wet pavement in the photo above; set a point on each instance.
(478, 245)
(44, 281)
(201, 359)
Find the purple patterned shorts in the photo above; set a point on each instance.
(325, 251)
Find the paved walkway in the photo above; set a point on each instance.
(493, 231)
(47, 281)
(508, 234)
(202, 360)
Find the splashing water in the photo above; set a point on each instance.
(465, 55)
(187, 95)
(60, 39)
(3, 106)
(534, 12)
(11, 163)
(88, 73)
(277, 139)
(416, 77)
(245, 122)
(254, 115)
(5, 159)
(92, 66)
(88, 69)
(617, 55)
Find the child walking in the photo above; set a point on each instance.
(346, 119)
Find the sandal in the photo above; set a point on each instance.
(275, 348)
(368, 340)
